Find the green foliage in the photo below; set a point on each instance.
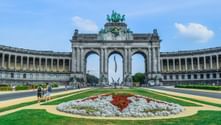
(5, 88)
(206, 87)
(92, 79)
(24, 87)
(138, 77)
(31, 102)
(42, 117)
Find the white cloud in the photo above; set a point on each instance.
(84, 25)
(195, 32)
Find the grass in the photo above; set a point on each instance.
(31, 102)
(138, 91)
(194, 100)
(41, 117)
(17, 106)
(205, 87)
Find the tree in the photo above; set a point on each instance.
(91, 79)
(138, 77)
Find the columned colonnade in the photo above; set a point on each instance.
(191, 63)
(11, 61)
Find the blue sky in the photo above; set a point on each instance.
(49, 24)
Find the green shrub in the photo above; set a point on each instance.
(21, 87)
(5, 88)
(191, 86)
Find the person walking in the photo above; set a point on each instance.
(48, 92)
(39, 93)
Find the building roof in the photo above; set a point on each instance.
(191, 52)
(35, 52)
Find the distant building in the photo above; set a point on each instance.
(19, 66)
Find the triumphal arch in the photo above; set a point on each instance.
(116, 37)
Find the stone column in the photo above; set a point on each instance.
(63, 65)
(161, 65)
(105, 61)
(40, 64)
(129, 61)
(186, 64)
(74, 60)
(52, 63)
(149, 61)
(9, 61)
(154, 59)
(174, 68)
(21, 63)
(211, 62)
(198, 63)
(217, 62)
(82, 61)
(57, 64)
(3, 60)
(15, 65)
(101, 61)
(158, 60)
(27, 63)
(180, 64)
(168, 68)
(34, 63)
(192, 66)
(204, 62)
(69, 64)
(125, 62)
(46, 64)
(78, 60)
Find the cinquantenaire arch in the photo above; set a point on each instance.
(116, 38)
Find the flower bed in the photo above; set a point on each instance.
(121, 104)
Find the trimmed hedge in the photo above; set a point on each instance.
(24, 87)
(206, 87)
(5, 88)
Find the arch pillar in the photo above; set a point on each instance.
(103, 67)
(127, 66)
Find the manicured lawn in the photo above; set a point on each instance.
(32, 102)
(41, 117)
(205, 87)
(138, 91)
(194, 100)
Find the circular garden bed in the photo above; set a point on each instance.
(120, 105)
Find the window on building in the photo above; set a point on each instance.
(214, 75)
(207, 76)
(164, 77)
(195, 76)
(171, 77)
(189, 76)
(177, 76)
(220, 75)
(12, 75)
(183, 76)
(24, 76)
(201, 76)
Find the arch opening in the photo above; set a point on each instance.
(115, 68)
(92, 68)
(139, 70)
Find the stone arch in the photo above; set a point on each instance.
(118, 51)
(87, 52)
(144, 54)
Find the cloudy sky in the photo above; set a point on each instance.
(49, 24)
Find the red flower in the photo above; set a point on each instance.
(121, 101)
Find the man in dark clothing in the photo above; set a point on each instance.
(39, 93)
